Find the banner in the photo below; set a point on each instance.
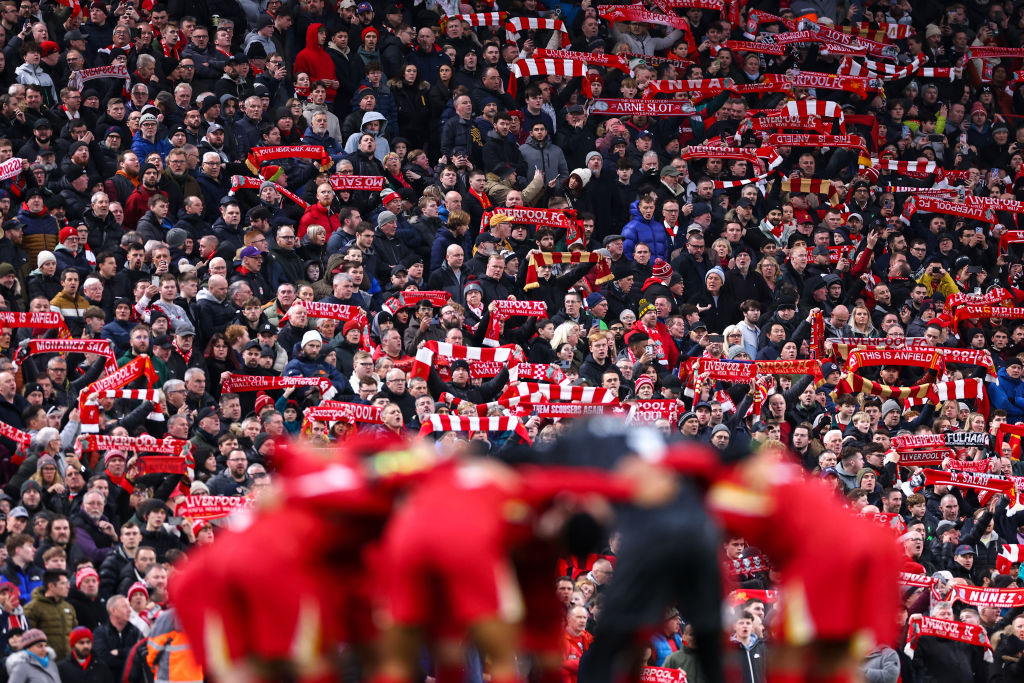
(322, 309)
(607, 61)
(657, 674)
(411, 298)
(78, 78)
(970, 480)
(138, 444)
(239, 182)
(970, 634)
(988, 597)
(651, 410)
(41, 319)
(929, 360)
(162, 464)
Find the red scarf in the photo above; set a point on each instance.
(187, 355)
(484, 200)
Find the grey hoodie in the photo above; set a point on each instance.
(383, 148)
(333, 125)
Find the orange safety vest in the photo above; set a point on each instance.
(170, 659)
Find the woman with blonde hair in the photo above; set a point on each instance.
(769, 269)
(860, 324)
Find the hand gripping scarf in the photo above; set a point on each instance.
(607, 61)
(258, 155)
(956, 390)
(550, 258)
(452, 423)
(138, 367)
(510, 355)
(407, 299)
(527, 68)
(971, 634)
(503, 310)
(240, 182)
(516, 24)
(78, 78)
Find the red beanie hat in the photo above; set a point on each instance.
(82, 575)
(137, 587)
(353, 324)
(270, 173)
(68, 232)
(642, 380)
(263, 402)
(77, 634)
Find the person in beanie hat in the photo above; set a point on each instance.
(36, 661)
(644, 388)
(85, 598)
(80, 666)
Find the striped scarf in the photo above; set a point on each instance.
(509, 355)
(516, 24)
(550, 258)
(452, 423)
(527, 68)
(809, 185)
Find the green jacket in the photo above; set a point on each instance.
(53, 616)
(685, 658)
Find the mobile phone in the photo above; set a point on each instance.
(979, 231)
(649, 349)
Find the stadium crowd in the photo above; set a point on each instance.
(227, 226)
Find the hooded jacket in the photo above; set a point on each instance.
(315, 61)
(1008, 394)
(549, 158)
(652, 233)
(385, 102)
(333, 124)
(211, 315)
(383, 148)
(26, 667)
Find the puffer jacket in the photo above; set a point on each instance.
(303, 367)
(649, 232)
(1008, 395)
(41, 232)
(55, 617)
(318, 215)
(23, 667)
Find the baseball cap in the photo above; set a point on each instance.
(364, 7)
(251, 252)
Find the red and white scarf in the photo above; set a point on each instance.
(138, 367)
(979, 481)
(138, 444)
(338, 411)
(608, 61)
(352, 183)
(861, 358)
(323, 309)
(537, 372)
(622, 107)
(258, 155)
(211, 507)
(478, 19)
(531, 215)
(425, 355)
(971, 634)
(651, 410)
(1009, 555)
(527, 68)
(550, 258)
(14, 434)
(936, 205)
(78, 78)
(516, 24)
(956, 390)
(452, 423)
(233, 383)
(560, 392)
(406, 299)
(241, 182)
(503, 310)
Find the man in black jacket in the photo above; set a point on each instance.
(212, 310)
(113, 640)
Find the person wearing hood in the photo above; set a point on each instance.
(74, 188)
(1008, 393)
(70, 254)
(318, 133)
(575, 191)
(31, 72)
(373, 124)
(317, 102)
(409, 93)
(314, 60)
(542, 154)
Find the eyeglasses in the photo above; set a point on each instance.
(186, 66)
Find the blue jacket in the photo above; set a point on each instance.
(143, 147)
(661, 647)
(300, 367)
(652, 233)
(1008, 395)
(326, 141)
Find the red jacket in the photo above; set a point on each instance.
(573, 648)
(315, 61)
(317, 215)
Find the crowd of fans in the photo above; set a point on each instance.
(150, 210)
